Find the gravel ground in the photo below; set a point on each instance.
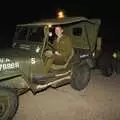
(100, 100)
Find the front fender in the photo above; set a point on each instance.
(4, 75)
(13, 79)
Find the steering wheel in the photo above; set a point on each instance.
(49, 46)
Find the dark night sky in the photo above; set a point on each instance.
(21, 12)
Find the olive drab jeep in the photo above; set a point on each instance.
(22, 67)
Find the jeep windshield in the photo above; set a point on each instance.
(32, 34)
(28, 37)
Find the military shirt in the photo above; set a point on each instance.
(64, 46)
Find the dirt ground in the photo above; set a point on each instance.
(100, 100)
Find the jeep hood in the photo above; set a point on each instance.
(14, 52)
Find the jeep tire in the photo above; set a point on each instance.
(8, 103)
(80, 76)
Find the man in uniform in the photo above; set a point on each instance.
(63, 49)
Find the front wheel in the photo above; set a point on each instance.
(80, 76)
(8, 103)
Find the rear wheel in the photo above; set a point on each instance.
(8, 103)
(80, 76)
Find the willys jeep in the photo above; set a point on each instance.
(22, 66)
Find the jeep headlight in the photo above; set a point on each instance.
(37, 49)
(33, 60)
(93, 54)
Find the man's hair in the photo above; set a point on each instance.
(58, 26)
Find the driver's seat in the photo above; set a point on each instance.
(58, 67)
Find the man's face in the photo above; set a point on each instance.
(58, 31)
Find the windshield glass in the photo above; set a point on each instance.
(33, 34)
(36, 34)
(21, 33)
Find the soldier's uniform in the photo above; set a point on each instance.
(64, 46)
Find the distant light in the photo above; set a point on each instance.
(114, 55)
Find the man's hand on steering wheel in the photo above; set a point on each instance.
(48, 53)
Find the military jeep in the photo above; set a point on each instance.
(22, 67)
